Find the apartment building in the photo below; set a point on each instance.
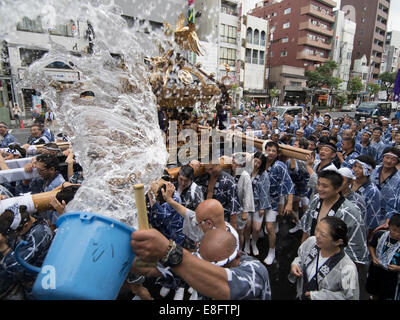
(371, 17)
(302, 39)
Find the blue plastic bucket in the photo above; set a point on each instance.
(89, 259)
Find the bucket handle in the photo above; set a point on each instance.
(22, 261)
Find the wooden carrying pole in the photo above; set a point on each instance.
(143, 222)
(140, 200)
(285, 150)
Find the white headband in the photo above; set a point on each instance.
(14, 152)
(367, 169)
(17, 216)
(222, 262)
(391, 154)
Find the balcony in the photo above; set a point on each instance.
(314, 43)
(379, 37)
(309, 26)
(381, 25)
(311, 57)
(330, 3)
(377, 48)
(316, 13)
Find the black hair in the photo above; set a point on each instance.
(49, 161)
(166, 176)
(338, 229)
(395, 220)
(67, 193)
(187, 171)
(368, 160)
(263, 158)
(377, 128)
(334, 177)
(333, 138)
(7, 218)
(352, 141)
(303, 143)
(14, 146)
(272, 144)
(323, 140)
(393, 150)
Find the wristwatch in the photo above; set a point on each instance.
(174, 257)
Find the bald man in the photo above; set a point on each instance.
(209, 215)
(231, 274)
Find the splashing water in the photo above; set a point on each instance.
(115, 135)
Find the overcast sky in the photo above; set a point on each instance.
(394, 14)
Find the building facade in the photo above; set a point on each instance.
(342, 50)
(302, 39)
(371, 18)
(391, 55)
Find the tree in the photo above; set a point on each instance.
(373, 89)
(355, 86)
(341, 99)
(322, 78)
(387, 82)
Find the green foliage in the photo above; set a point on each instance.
(341, 98)
(387, 82)
(373, 89)
(322, 77)
(355, 85)
(274, 92)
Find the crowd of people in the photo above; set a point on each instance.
(206, 225)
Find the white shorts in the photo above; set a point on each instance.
(271, 216)
(255, 217)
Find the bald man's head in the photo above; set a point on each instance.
(211, 211)
(217, 245)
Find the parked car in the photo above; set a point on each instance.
(291, 110)
(350, 107)
(373, 109)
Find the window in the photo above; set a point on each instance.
(283, 53)
(284, 40)
(249, 36)
(274, 14)
(256, 38)
(262, 58)
(228, 34)
(286, 25)
(263, 38)
(30, 25)
(363, 20)
(255, 57)
(287, 11)
(28, 56)
(361, 31)
(248, 55)
(228, 56)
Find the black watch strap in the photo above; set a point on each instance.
(175, 257)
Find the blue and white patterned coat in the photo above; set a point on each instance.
(261, 185)
(389, 190)
(225, 191)
(281, 183)
(372, 197)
